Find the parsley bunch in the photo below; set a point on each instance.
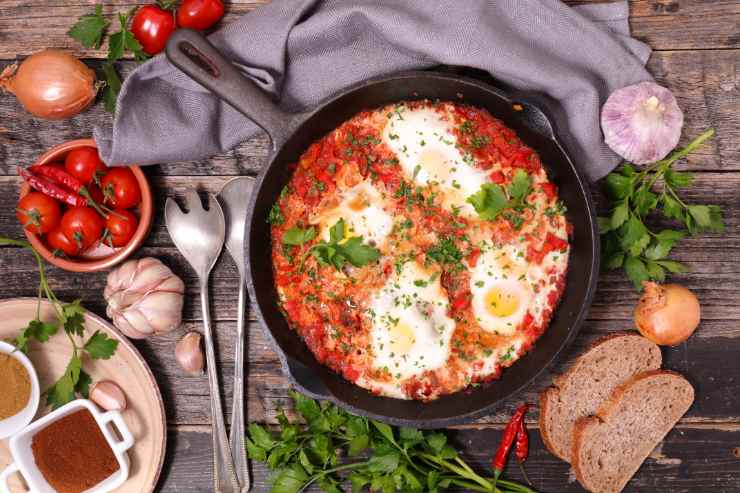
(493, 200)
(338, 250)
(380, 457)
(90, 30)
(627, 242)
(71, 318)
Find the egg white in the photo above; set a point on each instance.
(361, 207)
(426, 148)
(410, 329)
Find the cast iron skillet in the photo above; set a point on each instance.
(291, 135)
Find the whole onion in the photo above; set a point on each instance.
(51, 84)
(642, 122)
(144, 298)
(667, 314)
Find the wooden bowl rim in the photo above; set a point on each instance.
(145, 217)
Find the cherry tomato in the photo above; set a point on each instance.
(85, 164)
(121, 226)
(152, 27)
(199, 14)
(82, 225)
(59, 243)
(120, 188)
(38, 213)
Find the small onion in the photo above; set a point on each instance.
(668, 314)
(642, 123)
(51, 84)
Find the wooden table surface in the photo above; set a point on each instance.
(697, 55)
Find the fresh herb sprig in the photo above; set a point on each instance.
(627, 241)
(90, 30)
(379, 457)
(338, 250)
(492, 200)
(71, 318)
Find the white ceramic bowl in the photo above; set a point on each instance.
(20, 449)
(10, 426)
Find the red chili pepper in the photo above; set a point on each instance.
(510, 433)
(53, 190)
(58, 175)
(522, 448)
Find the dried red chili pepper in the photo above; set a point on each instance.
(510, 433)
(53, 190)
(521, 450)
(58, 175)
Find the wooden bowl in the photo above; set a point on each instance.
(103, 258)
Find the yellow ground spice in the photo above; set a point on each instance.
(15, 386)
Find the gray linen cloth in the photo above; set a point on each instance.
(304, 51)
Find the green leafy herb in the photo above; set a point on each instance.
(71, 318)
(296, 236)
(445, 252)
(112, 87)
(275, 216)
(492, 199)
(339, 249)
(90, 28)
(376, 455)
(627, 241)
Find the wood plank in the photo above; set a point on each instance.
(664, 24)
(705, 84)
(689, 459)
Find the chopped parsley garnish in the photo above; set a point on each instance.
(446, 253)
(558, 209)
(275, 215)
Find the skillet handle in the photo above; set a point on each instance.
(197, 58)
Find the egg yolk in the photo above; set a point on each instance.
(402, 338)
(501, 304)
(433, 162)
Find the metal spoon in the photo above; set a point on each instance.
(234, 198)
(199, 235)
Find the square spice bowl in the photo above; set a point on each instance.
(25, 464)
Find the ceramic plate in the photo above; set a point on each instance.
(145, 412)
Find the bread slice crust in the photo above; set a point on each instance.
(551, 395)
(608, 410)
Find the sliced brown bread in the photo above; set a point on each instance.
(583, 389)
(610, 447)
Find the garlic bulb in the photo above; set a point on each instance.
(189, 354)
(642, 123)
(144, 297)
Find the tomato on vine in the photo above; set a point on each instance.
(120, 188)
(153, 25)
(38, 213)
(85, 164)
(199, 14)
(120, 227)
(60, 244)
(82, 225)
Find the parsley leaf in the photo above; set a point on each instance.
(296, 236)
(339, 250)
(112, 87)
(491, 200)
(275, 216)
(63, 390)
(100, 346)
(627, 240)
(90, 28)
(73, 317)
(35, 330)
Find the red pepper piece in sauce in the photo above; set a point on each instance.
(47, 187)
(510, 433)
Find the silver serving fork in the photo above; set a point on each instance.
(234, 198)
(199, 235)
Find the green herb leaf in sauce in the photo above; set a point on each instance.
(491, 200)
(296, 236)
(338, 250)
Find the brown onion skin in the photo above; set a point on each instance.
(51, 84)
(667, 314)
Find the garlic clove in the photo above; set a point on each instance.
(189, 354)
(642, 122)
(108, 395)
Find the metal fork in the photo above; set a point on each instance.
(234, 198)
(199, 235)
